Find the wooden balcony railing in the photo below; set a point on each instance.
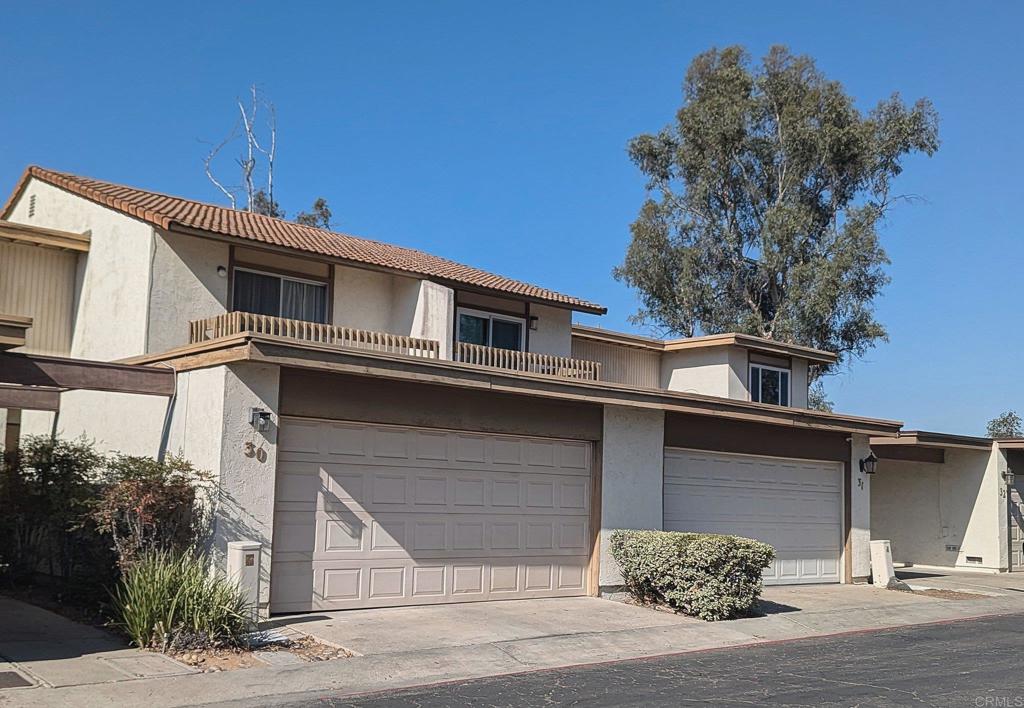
(233, 323)
(239, 322)
(530, 362)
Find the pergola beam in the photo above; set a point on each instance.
(32, 398)
(63, 373)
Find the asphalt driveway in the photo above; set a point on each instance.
(966, 663)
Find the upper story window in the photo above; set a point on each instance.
(489, 329)
(769, 384)
(280, 296)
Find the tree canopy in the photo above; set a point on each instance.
(765, 196)
(1005, 425)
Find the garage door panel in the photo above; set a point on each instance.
(326, 587)
(399, 535)
(394, 516)
(794, 505)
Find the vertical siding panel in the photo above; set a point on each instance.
(619, 364)
(39, 283)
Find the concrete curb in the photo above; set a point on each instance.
(370, 675)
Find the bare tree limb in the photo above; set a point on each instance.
(208, 162)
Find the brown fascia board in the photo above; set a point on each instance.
(286, 352)
(745, 341)
(924, 438)
(45, 238)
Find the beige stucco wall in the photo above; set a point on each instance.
(632, 471)
(116, 422)
(707, 371)
(921, 507)
(798, 382)
(554, 331)
(111, 321)
(367, 299)
(434, 316)
(185, 287)
(210, 427)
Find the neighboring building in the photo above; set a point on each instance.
(950, 501)
(396, 428)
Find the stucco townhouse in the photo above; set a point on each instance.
(394, 428)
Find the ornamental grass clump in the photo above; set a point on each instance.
(169, 600)
(709, 576)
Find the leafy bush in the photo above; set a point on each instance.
(171, 601)
(147, 504)
(46, 489)
(705, 575)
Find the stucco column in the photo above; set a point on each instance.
(860, 511)
(632, 465)
(995, 490)
(248, 465)
(435, 315)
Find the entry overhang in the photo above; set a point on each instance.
(33, 370)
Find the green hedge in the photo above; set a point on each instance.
(705, 575)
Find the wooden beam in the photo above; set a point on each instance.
(12, 330)
(59, 372)
(33, 398)
(47, 238)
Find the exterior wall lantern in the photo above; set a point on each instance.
(259, 419)
(869, 464)
(1009, 476)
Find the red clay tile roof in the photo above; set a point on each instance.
(167, 211)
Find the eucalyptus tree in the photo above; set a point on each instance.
(765, 197)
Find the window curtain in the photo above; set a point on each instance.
(303, 301)
(257, 293)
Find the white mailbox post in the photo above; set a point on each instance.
(244, 568)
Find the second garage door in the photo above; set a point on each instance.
(795, 505)
(376, 516)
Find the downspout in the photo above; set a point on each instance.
(165, 430)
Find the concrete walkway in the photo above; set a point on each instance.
(414, 646)
(48, 651)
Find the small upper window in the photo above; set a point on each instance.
(769, 384)
(279, 296)
(490, 330)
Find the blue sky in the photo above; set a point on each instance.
(495, 134)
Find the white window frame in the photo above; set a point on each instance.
(280, 297)
(484, 314)
(760, 398)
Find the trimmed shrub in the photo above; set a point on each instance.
(708, 576)
(172, 601)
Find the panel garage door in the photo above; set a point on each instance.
(795, 505)
(376, 516)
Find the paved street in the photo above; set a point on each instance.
(968, 663)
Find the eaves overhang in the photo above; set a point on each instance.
(329, 358)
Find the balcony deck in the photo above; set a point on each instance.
(235, 323)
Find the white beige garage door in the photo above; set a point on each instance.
(795, 505)
(376, 516)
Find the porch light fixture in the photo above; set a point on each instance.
(533, 323)
(869, 464)
(222, 271)
(259, 419)
(1009, 476)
